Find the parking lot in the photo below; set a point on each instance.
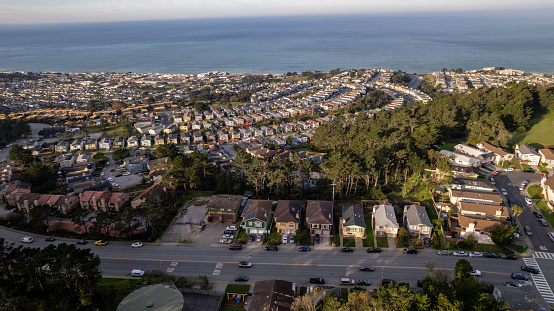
(185, 226)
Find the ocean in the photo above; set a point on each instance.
(419, 43)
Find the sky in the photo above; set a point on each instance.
(71, 11)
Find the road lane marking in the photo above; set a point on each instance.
(543, 255)
(174, 263)
(216, 272)
(294, 264)
(540, 281)
(170, 269)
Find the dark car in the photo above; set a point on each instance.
(367, 268)
(543, 222)
(387, 281)
(529, 170)
(410, 251)
(537, 214)
(491, 255)
(271, 248)
(50, 239)
(363, 282)
(530, 269)
(304, 249)
(113, 169)
(241, 278)
(509, 256)
(235, 247)
(419, 283)
(317, 281)
(118, 175)
(317, 238)
(228, 232)
(252, 238)
(82, 242)
(346, 250)
(519, 276)
(374, 250)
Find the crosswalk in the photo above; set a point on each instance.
(543, 255)
(539, 280)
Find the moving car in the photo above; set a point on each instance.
(317, 281)
(543, 222)
(504, 192)
(475, 273)
(363, 282)
(235, 247)
(241, 278)
(367, 268)
(475, 254)
(460, 253)
(304, 249)
(27, 239)
(137, 272)
(374, 250)
(519, 276)
(101, 242)
(530, 269)
(50, 239)
(410, 251)
(509, 256)
(528, 201)
(346, 250)
(528, 230)
(346, 281)
(137, 244)
(82, 242)
(271, 248)
(245, 264)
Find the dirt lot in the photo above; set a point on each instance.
(186, 224)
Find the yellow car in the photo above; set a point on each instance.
(100, 242)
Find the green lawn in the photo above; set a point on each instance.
(348, 242)
(447, 146)
(543, 169)
(239, 288)
(368, 242)
(535, 192)
(542, 132)
(382, 242)
(337, 240)
(546, 212)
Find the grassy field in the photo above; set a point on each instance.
(535, 192)
(348, 242)
(447, 146)
(117, 289)
(239, 288)
(382, 242)
(368, 242)
(540, 134)
(546, 212)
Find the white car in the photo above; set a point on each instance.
(27, 239)
(234, 228)
(225, 241)
(475, 273)
(228, 236)
(115, 185)
(291, 239)
(510, 169)
(285, 238)
(492, 181)
(136, 244)
(110, 179)
(475, 254)
(504, 192)
(528, 201)
(460, 253)
(127, 174)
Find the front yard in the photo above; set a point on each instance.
(368, 242)
(535, 192)
(382, 242)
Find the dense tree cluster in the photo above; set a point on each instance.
(207, 95)
(12, 130)
(373, 99)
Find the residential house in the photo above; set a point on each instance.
(15, 190)
(185, 138)
(460, 159)
(119, 142)
(417, 222)
(548, 190)
(146, 141)
(287, 216)
(155, 130)
(473, 152)
(271, 295)
(352, 223)
(547, 157)
(384, 221)
(527, 155)
(83, 159)
(210, 137)
(470, 225)
(173, 139)
(483, 211)
(105, 143)
(66, 160)
(222, 136)
(91, 144)
(62, 146)
(224, 208)
(135, 163)
(472, 184)
(499, 154)
(319, 217)
(102, 200)
(62, 203)
(478, 197)
(197, 137)
(77, 145)
(257, 216)
(159, 139)
(133, 142)
(152, 193)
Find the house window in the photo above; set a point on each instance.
(229, 209)
(258, 224)
(250, 223)
(325, 226)
(291, 225)
(283, 224)
(315, 226)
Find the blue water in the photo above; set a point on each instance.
(414, 43)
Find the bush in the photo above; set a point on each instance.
(204, 283)
(183, 282)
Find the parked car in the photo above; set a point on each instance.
(530, 269)
(245, 264)
(504, 192)
(202, 226)
(27, 239)
(419, 283)
(228, 236)
(460, 253)
(137, 272)
(529, 170)
(363, 282)
(291, 239)
(101, 242)
(235, 247)
(519, 276)
(271, 248)
(317, 239)
(512, 284)
(492, 181)
(495, 173)
(137, 244)
(317, 281)
(510, 169)
(251, 238)
(225, 241)
(347, 281)
(528, 231)
(475, 254)
(241, 278)
(285, 239)
(346, 250)
(113, 169)
(259, 238)
(304, 249)
(50, 239)
(444, 252)
(118, 175)
(367, 268)
(410, 251)
(374, 250)
(537, 214)
(82, 242)
(491, 255)
(543, 222)
(475, 273)
(528, 201)
(233, 228)
(543, 173)
(228, 232)
(387, 281)
(509, 256)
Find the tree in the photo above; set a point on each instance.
(42, 177)
(402, 238)
(309, 301)
(167, 150)
(81, 218)
(120, 154)
(517, 211)
(463, 269)
(330, 303)
(503, 236)
(390, 297)
(20, 155)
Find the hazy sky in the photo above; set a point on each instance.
(68, 11)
